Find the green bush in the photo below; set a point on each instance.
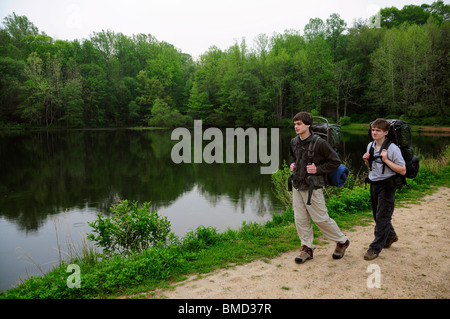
(344, 120)
(165, 116)
(349, 201)
(131, 229)
(201, 238)
(280, 185)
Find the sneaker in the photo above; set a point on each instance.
(388, 244)
(369, 255)
(305, 254)
(340, 249)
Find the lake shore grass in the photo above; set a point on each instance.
(205, 250)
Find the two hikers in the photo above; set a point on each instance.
(309, 176)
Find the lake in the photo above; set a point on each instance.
(53, 182)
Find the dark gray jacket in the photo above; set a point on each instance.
(325, 158)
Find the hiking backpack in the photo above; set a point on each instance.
(399, 133)
(332, 134)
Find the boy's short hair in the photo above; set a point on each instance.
(305, 117)
(382, 124)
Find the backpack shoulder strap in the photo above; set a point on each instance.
(387, 142)
(371, 158)
(312, 147)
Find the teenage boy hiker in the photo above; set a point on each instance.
(325, 160)
(384, 166)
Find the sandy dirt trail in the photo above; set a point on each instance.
(417, 266)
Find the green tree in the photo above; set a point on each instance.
(18, 27)
(36, 91)
(207, 78)
(346, 81)
(163, 115)
(199, 105)
(335, 28)
(284, 69)
(72, 96)
(150, 89)
(439, 10)
(73, 103)
(317, 68)
(314, 28)
(413, 14)
(166, 68)
(399, 68)
(240, 87)
(437, 81)
(94, 92)
(11, 79)
(114, 79)
(362, 42)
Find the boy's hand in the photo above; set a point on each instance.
(292, 167)
(384, 154)
(366, 157)
(311, 168)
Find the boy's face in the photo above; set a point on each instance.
(300, 127)
(378, 133)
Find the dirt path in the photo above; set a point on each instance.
(417, 266)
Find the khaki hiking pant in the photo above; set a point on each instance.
(318, 212)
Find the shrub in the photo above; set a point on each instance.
(349, 201)
(201, 238)
(165, 116)
(344, 120)
(280, 183)
(131, 229)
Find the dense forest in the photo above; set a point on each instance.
(396, 65)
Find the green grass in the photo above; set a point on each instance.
(205, 250)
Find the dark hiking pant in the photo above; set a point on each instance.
(383, 199)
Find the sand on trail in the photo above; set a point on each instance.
(417, 266)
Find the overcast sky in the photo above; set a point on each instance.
(190, 25)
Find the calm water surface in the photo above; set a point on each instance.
(53, 183)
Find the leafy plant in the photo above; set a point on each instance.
(131, 229)
(280, 185)
(344, 120)
(201, 238)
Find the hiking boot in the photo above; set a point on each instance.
(305, 255)
(387, 245)
(369, 255)
(340, 250)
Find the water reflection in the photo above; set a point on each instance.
(45, 173)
